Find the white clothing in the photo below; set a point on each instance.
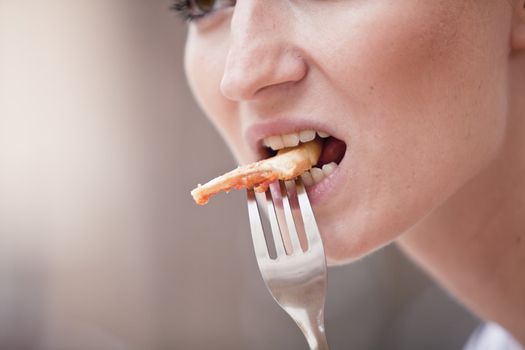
(490, 336)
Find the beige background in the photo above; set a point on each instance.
(101, 246)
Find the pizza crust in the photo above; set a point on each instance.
(288, 164)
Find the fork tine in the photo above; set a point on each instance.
(296, 282)
(292, 231)
(274, 224)
(310, 225)
(259, 242)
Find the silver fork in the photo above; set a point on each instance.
(296, 281)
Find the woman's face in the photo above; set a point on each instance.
(416, 89)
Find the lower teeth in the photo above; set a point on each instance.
(316, 175)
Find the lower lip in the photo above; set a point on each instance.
(316, 193)
(320, 192)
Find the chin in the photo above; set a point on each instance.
(342, 254)
(344, 245)
(350, 237)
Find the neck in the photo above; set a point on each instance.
(474, 244)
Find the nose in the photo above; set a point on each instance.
(262, 52)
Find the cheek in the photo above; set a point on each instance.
(436, 109)
(204, 61)
(427, 106)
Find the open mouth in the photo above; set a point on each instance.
(332, 152)
(313, 155)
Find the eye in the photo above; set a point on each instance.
(195, 9)
(204, 5)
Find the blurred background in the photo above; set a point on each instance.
(101, 245)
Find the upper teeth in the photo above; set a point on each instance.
(291, 140)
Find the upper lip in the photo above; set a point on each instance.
(255, 133)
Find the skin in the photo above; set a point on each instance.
(427, 95)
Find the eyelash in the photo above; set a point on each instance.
(190, 11)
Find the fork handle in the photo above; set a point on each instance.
(318, 342)
(313, 330)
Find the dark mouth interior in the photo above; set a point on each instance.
(333, 151)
